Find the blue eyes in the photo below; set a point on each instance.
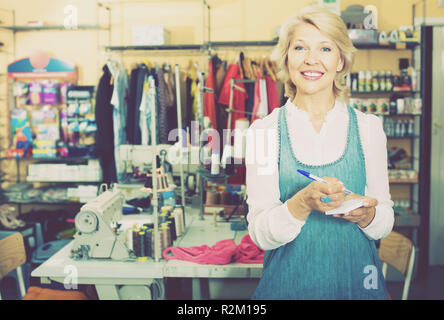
(323, 49)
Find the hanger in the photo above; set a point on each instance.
(241, 67)
(191, 70)
(269, 69)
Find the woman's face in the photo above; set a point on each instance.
(313, 60)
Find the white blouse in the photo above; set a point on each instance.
(270, 223)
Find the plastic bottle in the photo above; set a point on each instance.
(375, 81)
(382, 81)
(411, 128)
(388, 81)
(414, 80)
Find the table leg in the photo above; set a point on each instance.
(200, 289)
(197, 294)
(107, 292)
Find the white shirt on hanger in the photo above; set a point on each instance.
(271, 225)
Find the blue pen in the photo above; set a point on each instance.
(313, 177)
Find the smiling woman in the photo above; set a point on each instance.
(308, 254)
(332, 30)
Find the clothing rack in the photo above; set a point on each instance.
(230, 109)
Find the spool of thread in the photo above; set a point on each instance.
(165, 236)
(212, 197)
(170, 227)
(168, 209)
(172, 222)
(136, 244)
(142, 243)
(177, 215)
(149, 242)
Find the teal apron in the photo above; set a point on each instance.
(331, 258)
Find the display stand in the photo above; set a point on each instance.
(39, 67)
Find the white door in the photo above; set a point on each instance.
(436, 253)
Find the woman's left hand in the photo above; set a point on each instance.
(363, 216)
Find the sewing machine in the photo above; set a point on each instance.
(94, 236)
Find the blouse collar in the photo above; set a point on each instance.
(293, 110)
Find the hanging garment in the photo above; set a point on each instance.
(144, 112)
(136, 90)
(249, 104)
(171, 112)
(330, 257)
(272, 94)
(105, 131)
(189, 103)
(131, 114)
(239, 96)
(163, 102)
(119, 102)
(209, 96)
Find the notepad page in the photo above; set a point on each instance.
(347, 206)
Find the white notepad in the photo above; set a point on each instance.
(347, 206)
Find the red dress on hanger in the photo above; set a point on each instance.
(239, 97)
(209, 97)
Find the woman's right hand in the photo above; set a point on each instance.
(310, 198)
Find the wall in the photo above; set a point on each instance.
(230, 20)
(187, 20)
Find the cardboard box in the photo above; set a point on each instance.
(147, 35)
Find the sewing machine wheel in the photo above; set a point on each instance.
(86, 222)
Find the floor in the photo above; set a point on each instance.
(429, 288)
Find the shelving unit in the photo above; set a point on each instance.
(14, 28)
(24, 71)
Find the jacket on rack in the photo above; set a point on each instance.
(209, 96)
(105, 131)
(137, 80)
(239, 96)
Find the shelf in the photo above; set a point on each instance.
(382, 92)
(52, 159)
(396, 115)
(60, 181)
(408, 219)
(157, 47)
(46, 203)
(405, 137)
(403, 181)
(220, 44)
(52, 27)
(392, 46)
(242, 43)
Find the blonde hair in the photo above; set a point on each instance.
(331, 25)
